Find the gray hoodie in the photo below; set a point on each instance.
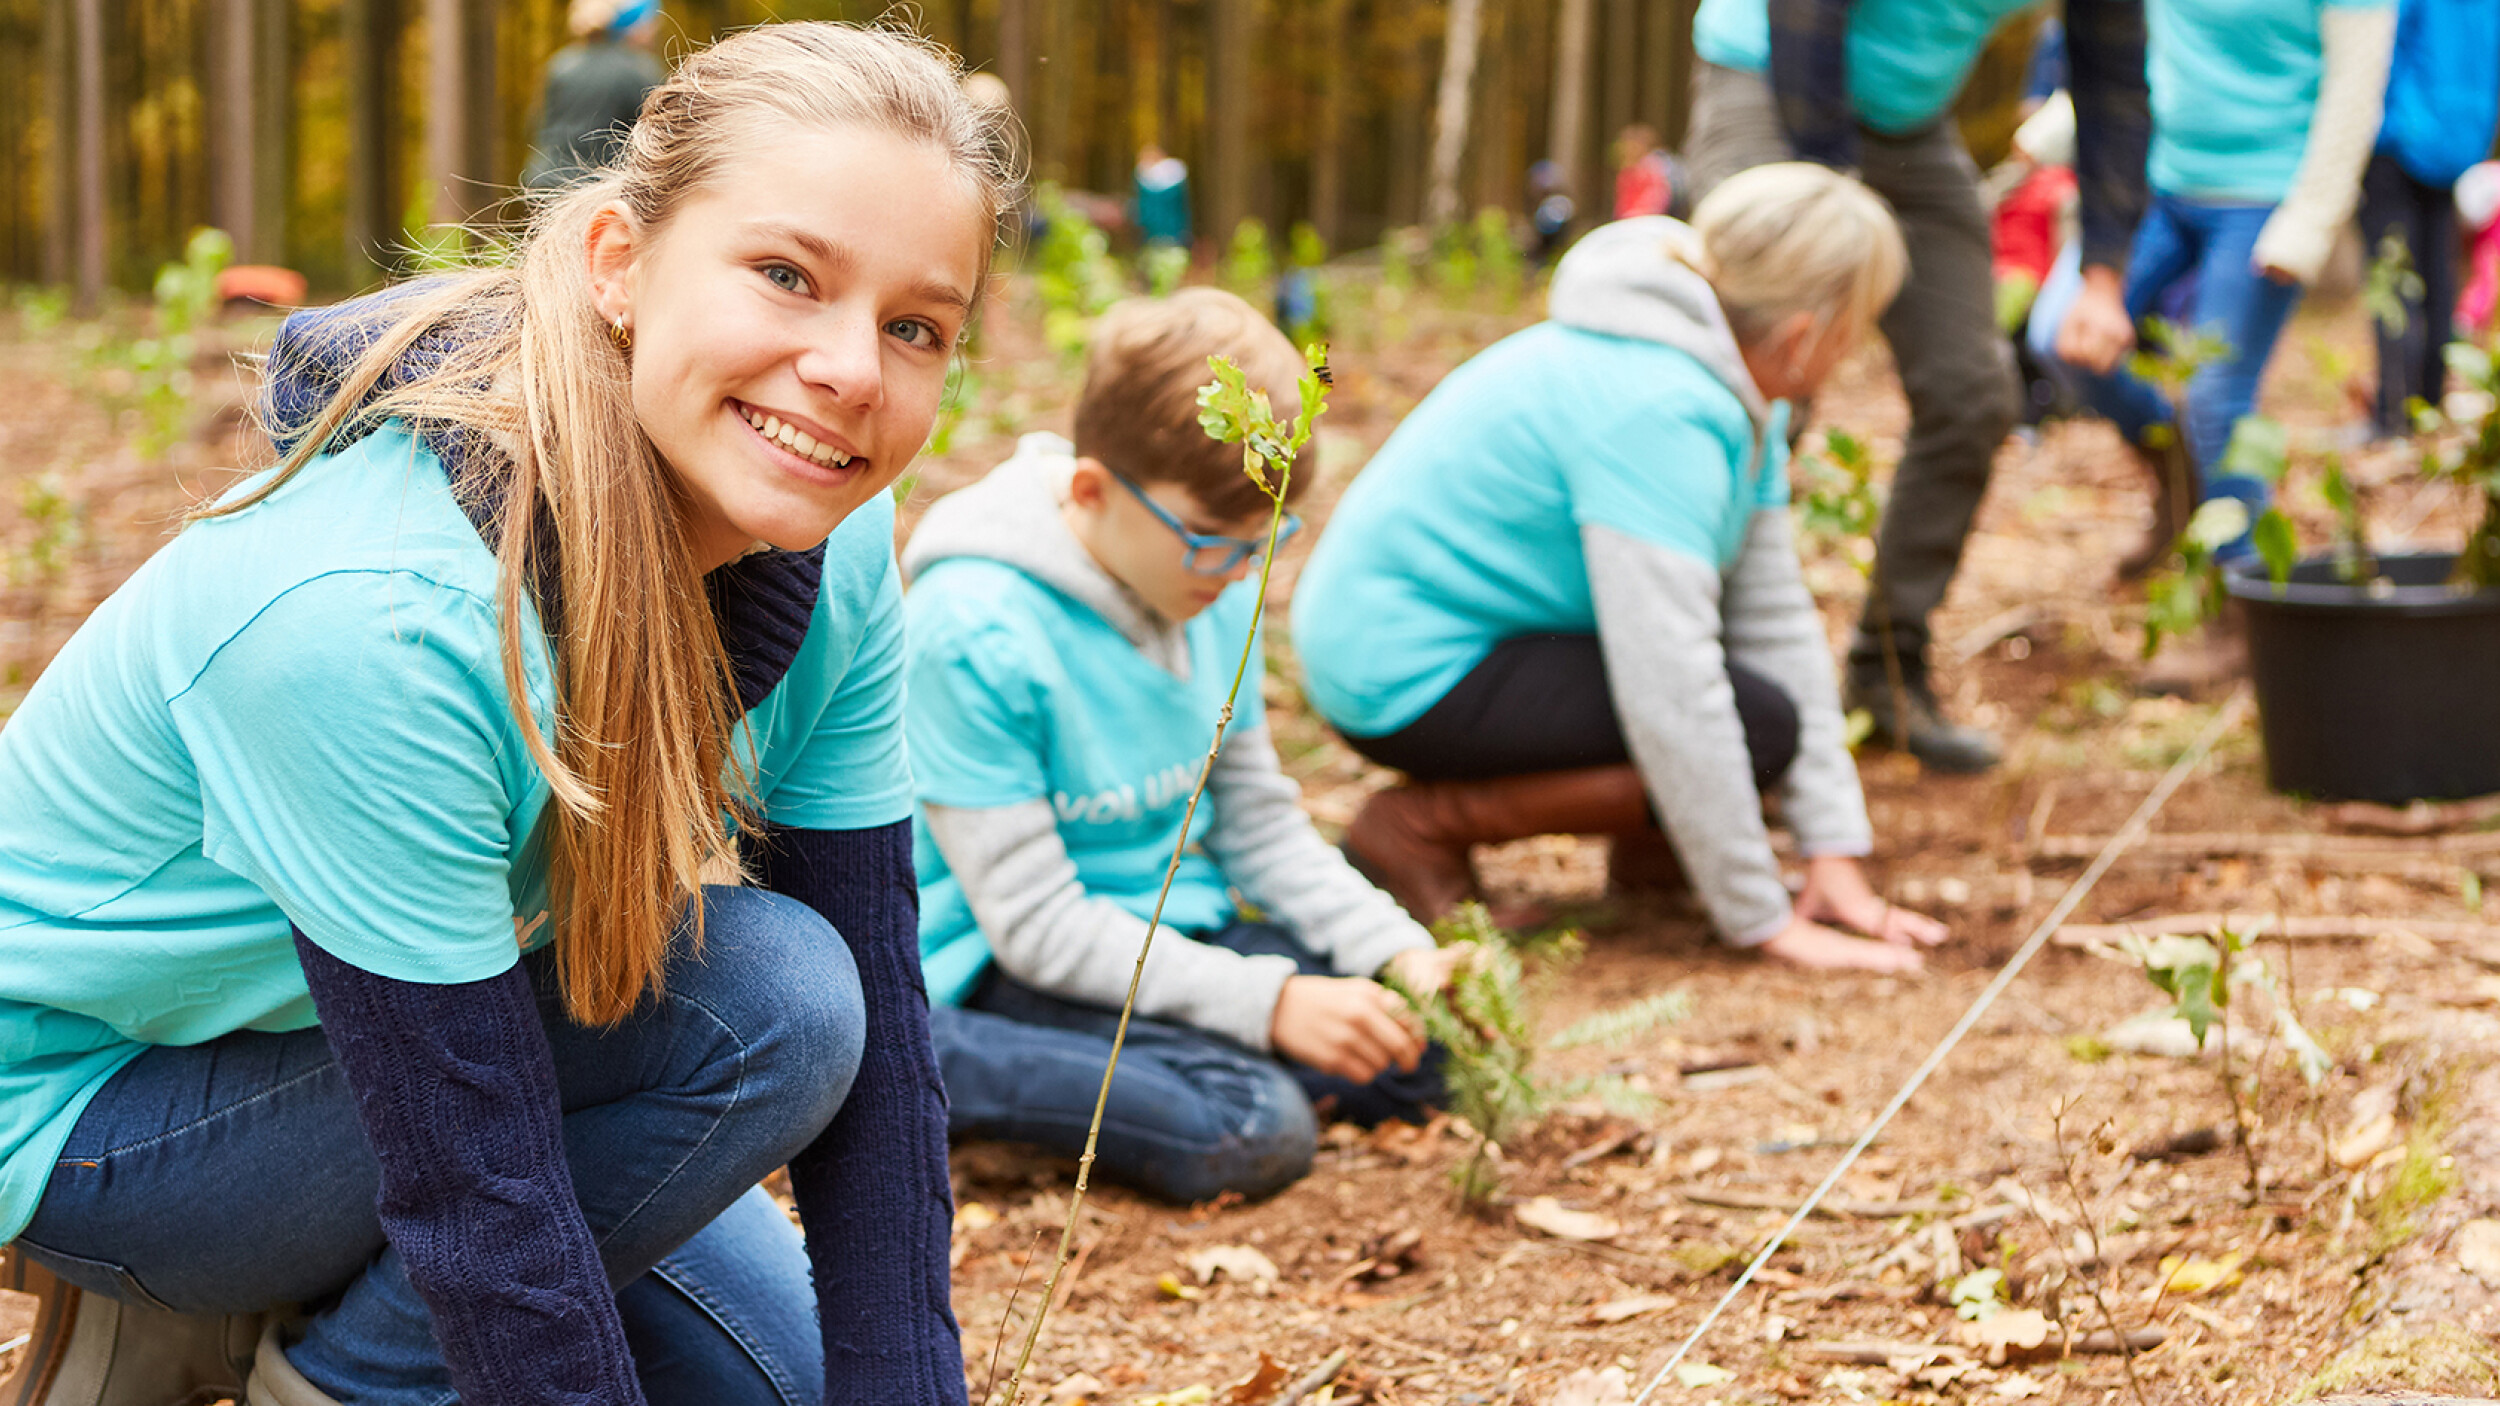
(1042, 927)
(1668, 624)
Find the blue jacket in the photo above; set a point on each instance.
(2443, 88)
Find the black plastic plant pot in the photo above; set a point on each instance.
(2389, 694)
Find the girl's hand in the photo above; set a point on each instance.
(1836, 891)
(1424, 970)
(1809, 944)
(2097, 330)
(1349, 1026)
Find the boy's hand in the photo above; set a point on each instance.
(1424, 970)
(1348, 1026)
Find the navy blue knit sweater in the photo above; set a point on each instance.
(456, 1087)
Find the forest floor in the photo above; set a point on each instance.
(2103, 1184)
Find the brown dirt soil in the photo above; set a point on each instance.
(1775, 1070)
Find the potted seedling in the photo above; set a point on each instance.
(2378, 673)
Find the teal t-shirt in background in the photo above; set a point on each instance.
(1465, 530)
(2233, 85)
(296, 714)
(1907, 58)
(1021, 693)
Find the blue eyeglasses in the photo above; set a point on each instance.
(1204, 553)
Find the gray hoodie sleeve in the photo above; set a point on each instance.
(1658, 626)
(1773, 629)
(1267, 849)
(1046, 931)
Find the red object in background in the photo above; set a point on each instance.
(1642, 187)
(260, 283)
(2482, 288)
(2024, 236)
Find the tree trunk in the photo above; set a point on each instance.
(1668, 56)
(1228, 116)
(234, 127)
(1619, 102)
(369, 34)
(447, 109)
(1328, 139)
(60, 101)
(1015, 55)
(482, 157)
(1566, 125)
(273, 122)
(90, 147)
(1449, 122)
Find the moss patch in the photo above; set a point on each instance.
(2439, 1358)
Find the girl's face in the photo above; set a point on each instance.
(792, 325)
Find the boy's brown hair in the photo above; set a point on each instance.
(1139, 410)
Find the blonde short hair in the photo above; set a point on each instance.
(1138, 413)
(1794, 237)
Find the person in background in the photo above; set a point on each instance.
(594, 90)
(1867, 85)
(1159, 188)
(1550, 210)
(1076, 619)
(2443, 106)
(2478, 209)
(362, 954)
(1648, 178)
(2264, 114)
(1565, 599)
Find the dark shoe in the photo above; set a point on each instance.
(1414, 840)
(90, 1350)
(1921, 729)
(2172, 480)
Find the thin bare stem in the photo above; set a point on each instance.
(1119, 1036)
(2091, 1228)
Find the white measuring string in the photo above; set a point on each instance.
(2118, 844)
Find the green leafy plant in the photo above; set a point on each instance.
(2474, 464)
(1073, 271)
(1164, 266)
(2181, 597)
(1249, 261)
(1501, 267)
(963, 388)
(2392, 285)
(1231, 412)
(2355, 564)
(1840, 509)
(1484, 1022)
(2200, 974)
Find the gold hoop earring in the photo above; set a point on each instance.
(620, 334)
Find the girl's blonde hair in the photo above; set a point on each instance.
(514, 363)
(1794, 237)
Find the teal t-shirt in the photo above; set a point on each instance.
(1021, 693)
(1907, 58)
(297, 714)
(1465, 530)
(2233, 85)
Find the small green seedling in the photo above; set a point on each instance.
(2199, 975)
(2182, 597)
(1231, 412)
(2475, 464)
(2392, 285)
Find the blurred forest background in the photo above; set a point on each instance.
(333, 136)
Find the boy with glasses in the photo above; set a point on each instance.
(1075, 621)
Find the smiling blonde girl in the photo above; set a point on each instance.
(356, 952)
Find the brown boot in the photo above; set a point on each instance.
(1642, 863)
(1414, 840)
(2172, 479)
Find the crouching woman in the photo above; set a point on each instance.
(1564, 598)
(356, 954)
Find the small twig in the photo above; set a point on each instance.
(2083, 1207)
(1315, 1378)
(1836, 1207)
(2324, 928)
(2231, 1085)
(1006, 1320)
(2355, 850)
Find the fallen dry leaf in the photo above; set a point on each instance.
(973, 1215)
(2478, 1250)
(1592, 1387)
(1697, 1375)
(1196, 1394)
(1563, 1223)
(2365, 1140)
(1171, 1287)
(2182, 1276)
(1239, 1263)
(1618, 1310)
(2012, 1329)
(1260, 1387)
(2018, 1386)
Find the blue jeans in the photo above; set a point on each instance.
(1192, 1114)
(234, 1176)
(2212, 244)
